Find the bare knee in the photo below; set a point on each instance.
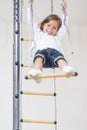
(61, 63)
(38, 59)
(38, 63)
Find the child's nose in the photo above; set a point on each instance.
(50, 29)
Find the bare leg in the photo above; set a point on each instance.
(38, 66)
(61, 63)
(38, 63)
(37, 69)
(64, 66)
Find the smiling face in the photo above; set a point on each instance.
(51, 24)
(51, 27)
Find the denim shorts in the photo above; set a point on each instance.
(50, 57)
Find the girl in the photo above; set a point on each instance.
(48, 50)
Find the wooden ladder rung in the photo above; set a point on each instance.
(25, 65)
(26, 39)
(38, 93)
(38, 121)
(52, 75)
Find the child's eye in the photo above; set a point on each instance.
(54, 28)
(48, 25)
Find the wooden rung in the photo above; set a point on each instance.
(52, 75)
(38, 93)
(38, 121)
(24, 65)
(26, 39)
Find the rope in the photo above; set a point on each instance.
(32, 50)
(21, 33)
(31, 15)
(55, 100)
(54, 80)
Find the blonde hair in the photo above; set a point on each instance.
(49, 18)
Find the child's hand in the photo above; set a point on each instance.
(64, 5)
(30, 1)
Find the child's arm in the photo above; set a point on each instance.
(29, 11)
(62, 29)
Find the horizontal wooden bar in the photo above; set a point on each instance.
(38, 121)
(25, 65)
(52, 75)
(26, 39)
(38, 93)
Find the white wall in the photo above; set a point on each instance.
(71, 92)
